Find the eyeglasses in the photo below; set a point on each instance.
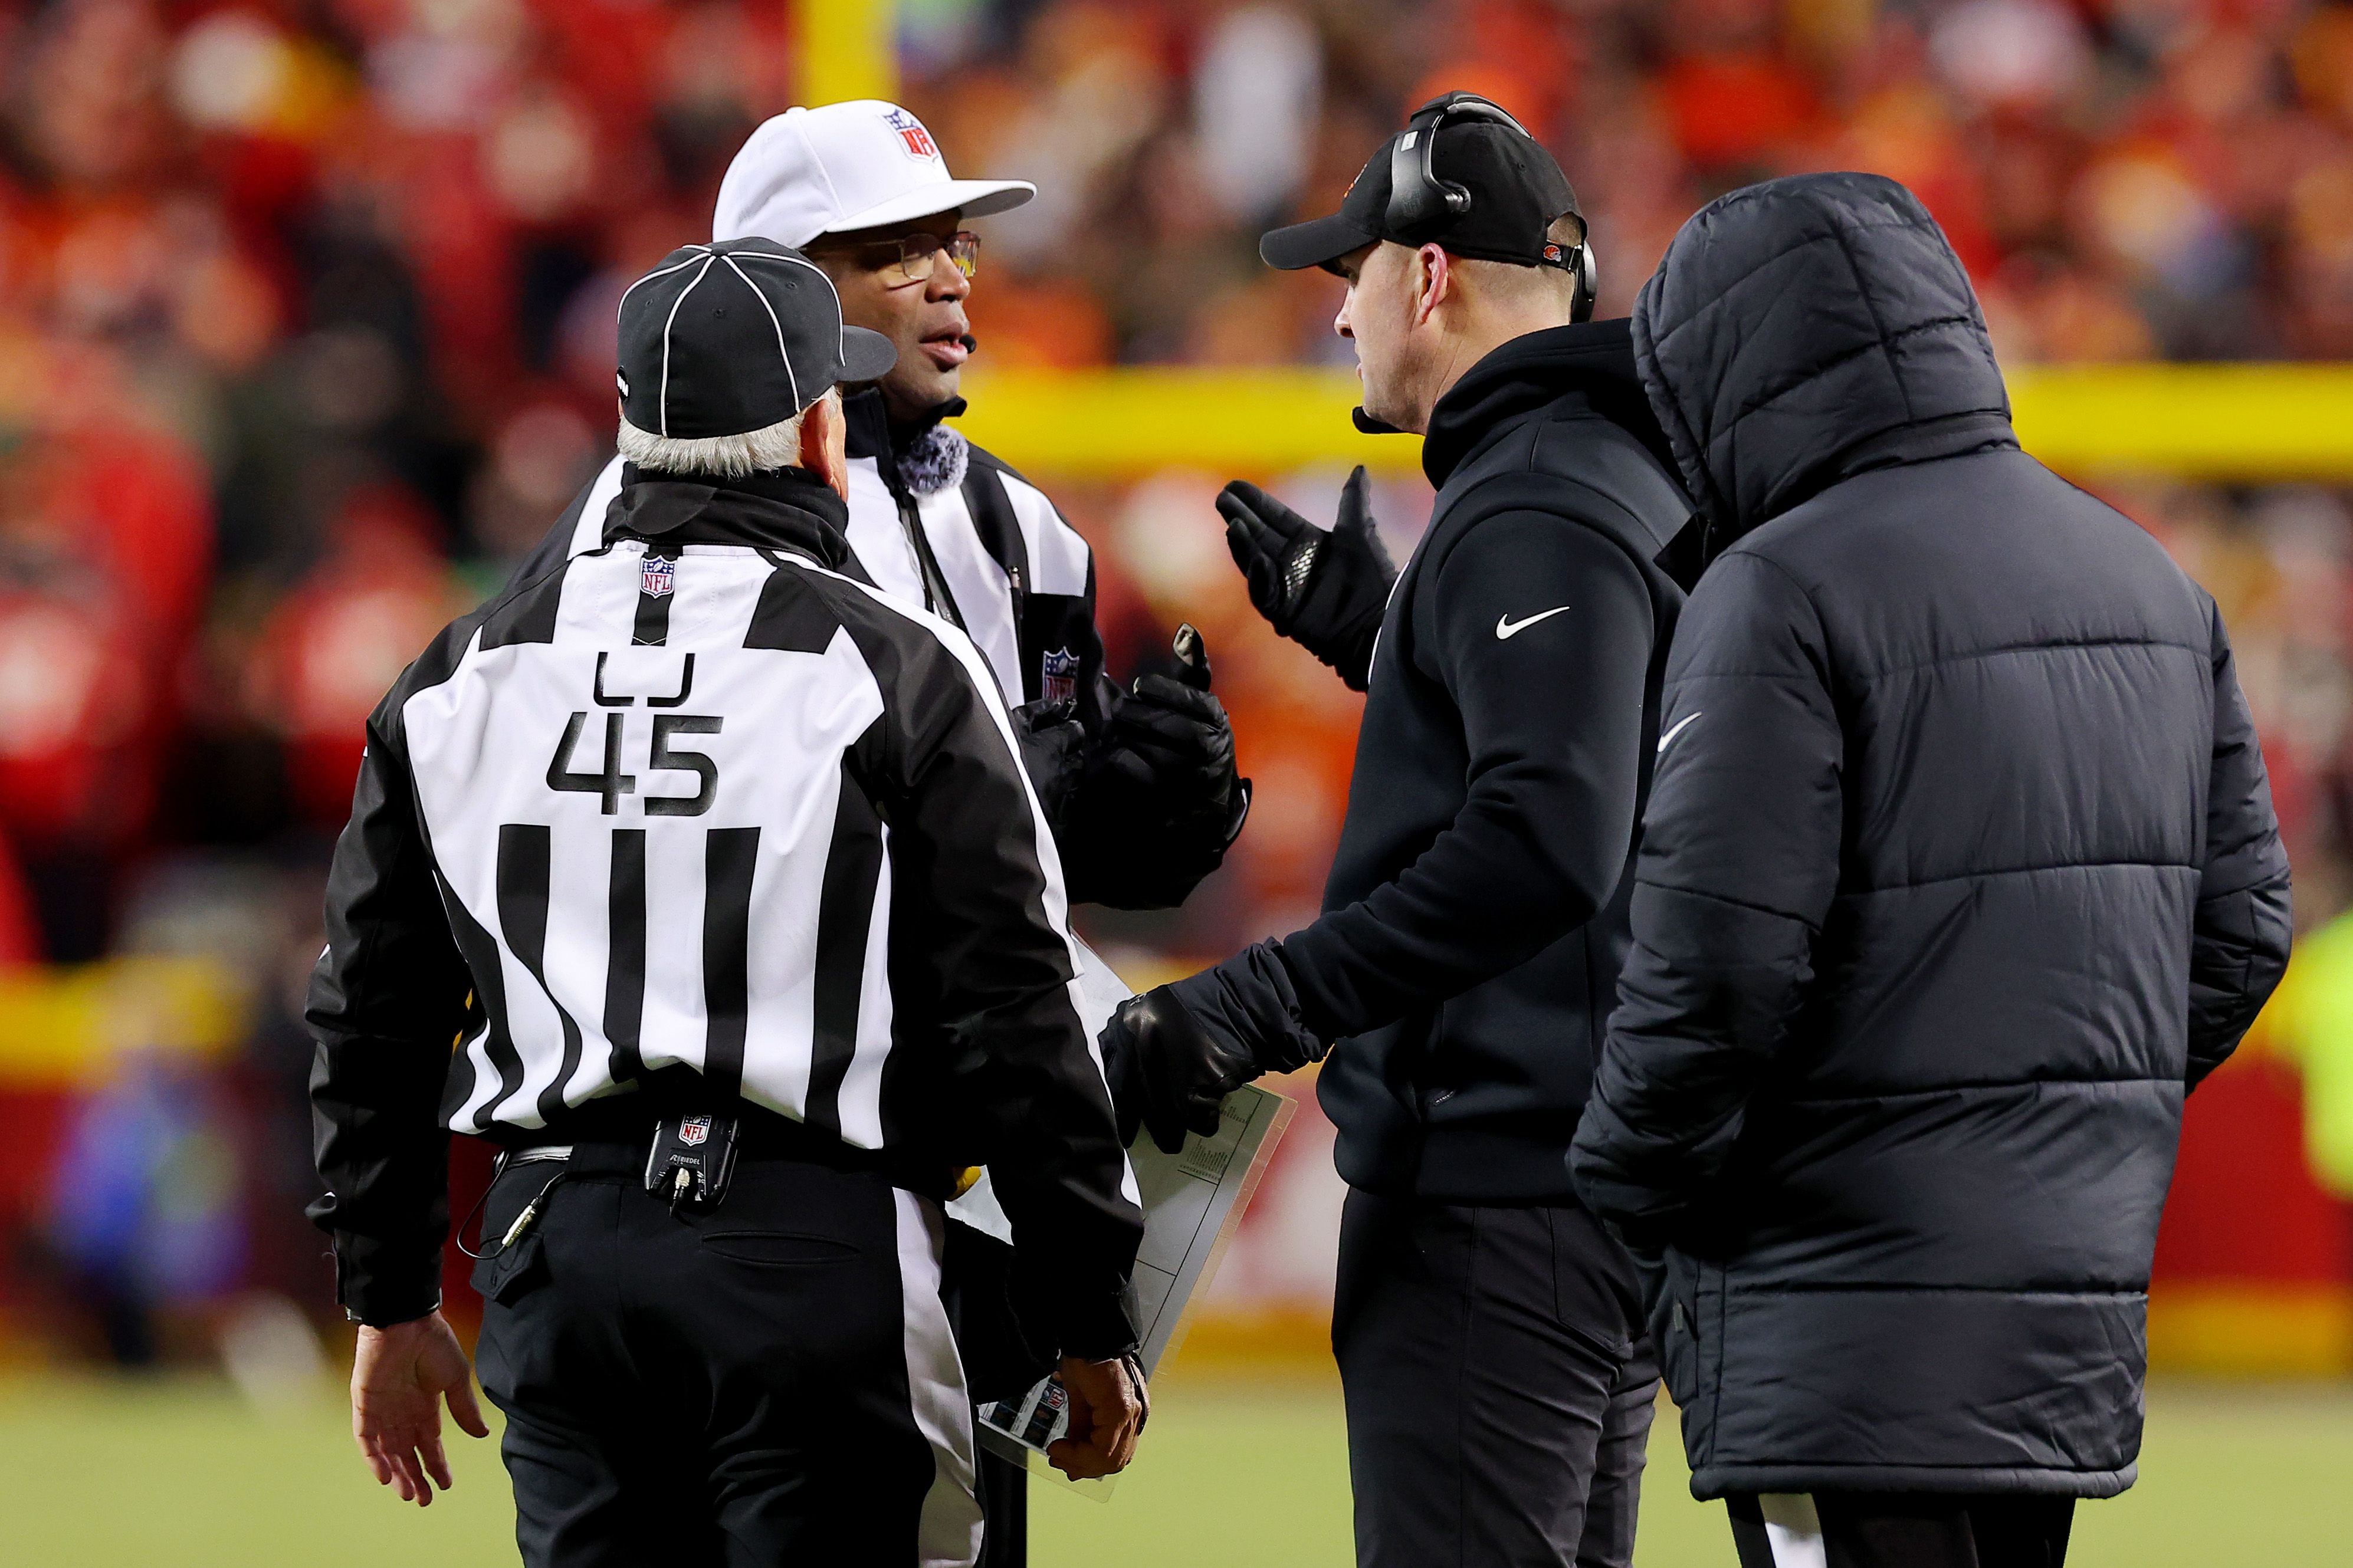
(912, 257)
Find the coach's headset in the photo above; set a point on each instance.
(1420, 202)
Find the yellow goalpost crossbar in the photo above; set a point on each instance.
(2245, 423)
(2212, 421)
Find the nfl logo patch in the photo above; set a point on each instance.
(658, 576)
(694, 1130)
(916, 141)
(1059, 680)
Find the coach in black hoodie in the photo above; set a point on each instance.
(1488, 1330)
(1960, 871)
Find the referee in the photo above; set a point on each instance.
(1139, 783)
(721, 867)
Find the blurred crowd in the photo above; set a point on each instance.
(306, 332)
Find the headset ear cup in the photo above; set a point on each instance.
(1587, 281)
(1419, 202)
(1418, 199)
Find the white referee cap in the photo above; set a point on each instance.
(845, 167)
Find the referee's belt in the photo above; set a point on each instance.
(614, 1134)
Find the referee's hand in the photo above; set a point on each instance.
(1106, 1413)
(400, 1379)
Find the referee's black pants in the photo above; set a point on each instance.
(1900, 1529)
(768, 1382)
(1499, 1385)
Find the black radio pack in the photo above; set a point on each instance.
(694, 1158)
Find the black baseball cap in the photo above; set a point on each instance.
(720, 339)
(1516, 187)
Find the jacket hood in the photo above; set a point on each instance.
(1808, 329)
(1596, 358)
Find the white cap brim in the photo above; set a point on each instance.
(972, 198)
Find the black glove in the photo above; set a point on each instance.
(1326, 592)
(1172, 1054)
(1053, 746)
(1170, 739)
(1167, 1074)
(1160, 804)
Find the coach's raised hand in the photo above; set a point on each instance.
(1324, 591)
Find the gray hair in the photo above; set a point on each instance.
(776, 445)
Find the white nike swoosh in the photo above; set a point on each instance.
(1507, 628)
(1681, 725)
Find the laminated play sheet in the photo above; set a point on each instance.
(1192, 1202)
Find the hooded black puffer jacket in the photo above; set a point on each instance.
(1959, 869)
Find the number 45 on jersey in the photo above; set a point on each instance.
(610, 783)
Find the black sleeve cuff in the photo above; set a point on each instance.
(379, 1296)
(1353, 661)
(1101, 1327)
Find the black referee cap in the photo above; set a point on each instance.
(1515, 189)
(724, 339)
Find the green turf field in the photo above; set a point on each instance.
(181, 1474)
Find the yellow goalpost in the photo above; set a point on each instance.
(2213, 422)
(2210, 422)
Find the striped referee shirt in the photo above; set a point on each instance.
(990, 554)
(993, 555)
(699, 799)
